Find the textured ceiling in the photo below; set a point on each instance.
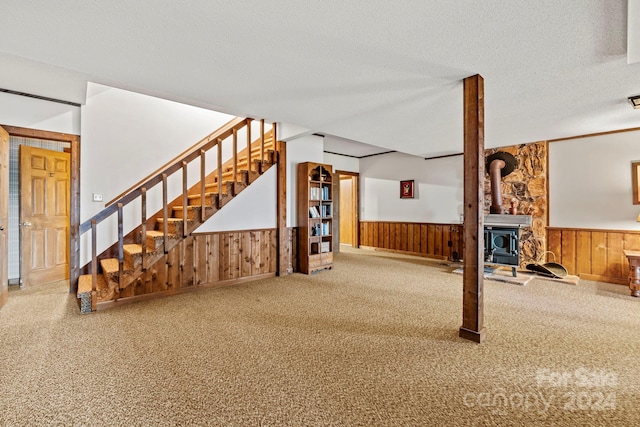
(379, 72)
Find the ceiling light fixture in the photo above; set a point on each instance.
(635, 101)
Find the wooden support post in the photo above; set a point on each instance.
(235, 160)
(249, 165)
(262, 144)
(283, 250)
(143, 235)
(203, 176)
(473, 299)
(165, 213)
(120, 248)
(219, 173)
(94, 265)
(185, 200)
(74, 217)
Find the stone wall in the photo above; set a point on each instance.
(527, 184)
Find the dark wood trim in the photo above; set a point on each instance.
(410, 222)
(444, 156)
(40, 134)
(597, 230)
(473, 281)
(360, 157)
(589, 135)
(74, 209)
(147, 297)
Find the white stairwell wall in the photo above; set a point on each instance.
(127, 136)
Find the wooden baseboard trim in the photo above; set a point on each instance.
(395, 251)
(607, 279)
(470, 335)
(146, 297)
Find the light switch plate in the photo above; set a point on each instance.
(97, 197)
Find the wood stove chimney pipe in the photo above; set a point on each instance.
(495, 172)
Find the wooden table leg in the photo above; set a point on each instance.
(634, 278)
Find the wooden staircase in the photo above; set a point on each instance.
(112, 273)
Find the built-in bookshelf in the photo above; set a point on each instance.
(315, 217)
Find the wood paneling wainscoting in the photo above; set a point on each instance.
(593, 254)
(206, 260)
(442, 241)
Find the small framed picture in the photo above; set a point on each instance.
(406, 189)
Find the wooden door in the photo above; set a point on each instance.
(4, 216)
(346, 210)
(44, 215)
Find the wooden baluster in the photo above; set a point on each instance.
(261, 143)
(185, 200)
(143, 238)
(203, 173)
(273, 136)
(249, 164)
(235, 159)
(94, 265)
(219, 173)
(165, 213)
(120, 248)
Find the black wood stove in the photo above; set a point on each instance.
(502, 239)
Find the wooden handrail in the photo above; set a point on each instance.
(169, 168)
(189, 154)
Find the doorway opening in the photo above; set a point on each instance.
(349, 233)
(37, 255)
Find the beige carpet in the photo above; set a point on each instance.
(372, 343)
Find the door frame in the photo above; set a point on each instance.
(74, 212)
(355, 179)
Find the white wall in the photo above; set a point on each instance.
(254, 208)
(34, 113)
(438, 188)
(342, 163)
(305, 149)
(590, 182)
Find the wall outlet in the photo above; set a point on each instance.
(97, 197)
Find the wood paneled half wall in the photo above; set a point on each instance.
(593, 254)
(443, 241)
(206, 260)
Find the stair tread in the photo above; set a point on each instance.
(170, 220)
(206, 194)
(189, 207)
(154, 233)
(85, 283)
(133, 248)
(111, 265)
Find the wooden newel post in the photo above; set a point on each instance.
(473, 298)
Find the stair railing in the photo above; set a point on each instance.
(160, 176)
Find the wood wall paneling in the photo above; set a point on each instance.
(593, 254)
(434, 240)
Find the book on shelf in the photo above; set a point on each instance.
(326, 229)
(313, 212)
(314, 193)
(325, 193)
(326, 211)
